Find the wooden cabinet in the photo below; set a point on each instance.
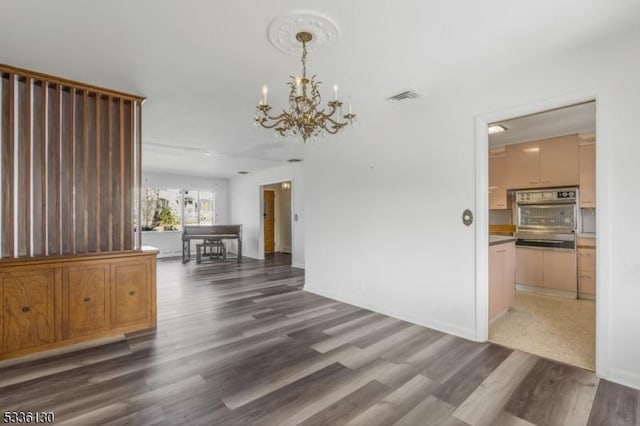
(586, 267)
(131, 295)
(502, 264)
(50, 303)
(28, 320)
(498, 182)
(559, 161)
(560, 270)
(544, 163)
(85, 300)
(523, 168)
(546, 268)
(529, 266)
(587, 160)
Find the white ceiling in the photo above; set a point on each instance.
(201, 63)
(565, 121)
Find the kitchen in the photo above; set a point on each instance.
(542, 234)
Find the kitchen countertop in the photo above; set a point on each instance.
(500, 239)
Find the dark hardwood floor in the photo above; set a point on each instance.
(244, 344)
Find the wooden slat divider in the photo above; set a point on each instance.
(27, 192)
(98, 180)
(10, 153)
(122, 177)
(68, 188)
(43, 168)
(85, 165)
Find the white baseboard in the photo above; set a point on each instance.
(465, 333)
(547, 291)
(624, 378)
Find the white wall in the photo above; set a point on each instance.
(169, 242)
(245, 196)
(384, 203)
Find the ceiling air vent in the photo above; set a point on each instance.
(403, 96)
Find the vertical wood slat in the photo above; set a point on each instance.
(110, 180)
(132, 177)
(85, 171)
(122, 181)
(27, 192)
(11, 172)
(139, 172)
(58, 156)
(98, 180)
(43, 168)
(72, 126)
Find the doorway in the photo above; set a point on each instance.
(541, 217)
(276, 210)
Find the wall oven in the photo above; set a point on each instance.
(547, 218)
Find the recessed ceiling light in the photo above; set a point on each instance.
(242, 172)
(294, 160)
(496, 128)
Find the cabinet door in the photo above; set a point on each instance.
(587, 155)
(508, 286)
(85, 300)
(523, 165)
(495, 281)
(559, 161)
(131, 293)
(587, 282)
(498, 183)
(529, 266)
(560, 270)
(586, 259)
(28, 309)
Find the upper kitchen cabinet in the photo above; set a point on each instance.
(587, 160)
(543, 163)
(559, 161)
(498, 180)
(523, 169)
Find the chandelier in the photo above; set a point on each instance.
(304, 118)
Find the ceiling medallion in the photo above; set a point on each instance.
(305, 118)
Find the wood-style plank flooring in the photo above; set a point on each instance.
(244, 344)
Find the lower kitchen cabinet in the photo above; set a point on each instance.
(550, 269)
(28, 320)
(51, 303)
(502, 266)
(586, 267)
(560, 270)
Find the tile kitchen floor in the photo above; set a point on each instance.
(552, 327)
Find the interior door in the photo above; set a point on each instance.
(269, 222)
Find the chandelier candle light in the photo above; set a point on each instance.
(304, 119)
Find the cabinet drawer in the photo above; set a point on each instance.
(586, 259)
(587, 283)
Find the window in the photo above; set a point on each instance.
(170, 209)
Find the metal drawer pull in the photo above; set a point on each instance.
(26, 309)
(131, 293)
(87, 299)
